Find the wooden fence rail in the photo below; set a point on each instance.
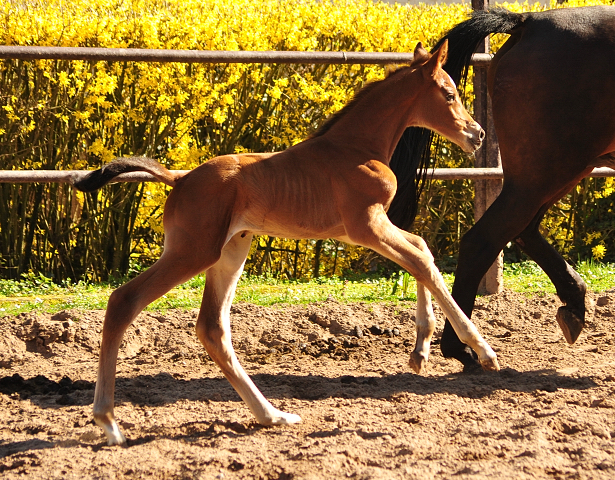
(212, 56)
(68, 176)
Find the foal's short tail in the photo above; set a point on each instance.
(97, 178)
(412, 156)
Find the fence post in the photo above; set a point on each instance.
(486, 191)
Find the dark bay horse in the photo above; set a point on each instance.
(336, 184)
(552, 86)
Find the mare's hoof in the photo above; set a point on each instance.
(418, 362)
(570, 323)
(488, 365)
(469, 359)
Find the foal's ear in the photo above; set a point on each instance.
(420, 55)
(441, 54)
(438, 58)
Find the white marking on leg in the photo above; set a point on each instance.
(425, 326)
(214, 331)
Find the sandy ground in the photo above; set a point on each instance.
(549, 413)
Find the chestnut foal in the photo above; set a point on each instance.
(336, 184)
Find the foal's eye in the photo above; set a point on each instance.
(450, 97)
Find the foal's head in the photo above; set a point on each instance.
(439, 107)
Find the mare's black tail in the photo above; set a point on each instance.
(412, 155)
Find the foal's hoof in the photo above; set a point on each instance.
(107, 422)
(418, 362)
(570, 324)
(289, 419)
(117, 439)
(488, 359)
(490, 364)
(113, 433)
(278, 417)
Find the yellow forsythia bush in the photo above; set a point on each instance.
(78, 115)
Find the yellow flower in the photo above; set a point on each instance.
(275, 92)
(598, 251)
(97, 147)
(63, 79)
(218, 116)
(591, 236)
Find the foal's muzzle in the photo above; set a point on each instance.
(475, 137)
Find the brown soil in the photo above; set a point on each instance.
(550, 412)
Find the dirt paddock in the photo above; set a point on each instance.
(549, 413)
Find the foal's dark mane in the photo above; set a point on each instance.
(337, 116)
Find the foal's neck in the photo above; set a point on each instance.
(377, 121)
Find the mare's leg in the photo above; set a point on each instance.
(124, 305)
(373, 229)
(516, 213)
(214, 330)
(425, 318)
(509, 215)
(569, 285)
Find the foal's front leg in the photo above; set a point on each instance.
(214, 331)
(375, 231)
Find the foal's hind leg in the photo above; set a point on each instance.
(214, 330)
(425, 326)
(569, 285)
(124, 305)
(425, 318)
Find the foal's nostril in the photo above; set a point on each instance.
(481, 135)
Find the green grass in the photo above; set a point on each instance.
(38, 293)
(528, 277)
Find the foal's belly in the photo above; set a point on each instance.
(285, 226)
